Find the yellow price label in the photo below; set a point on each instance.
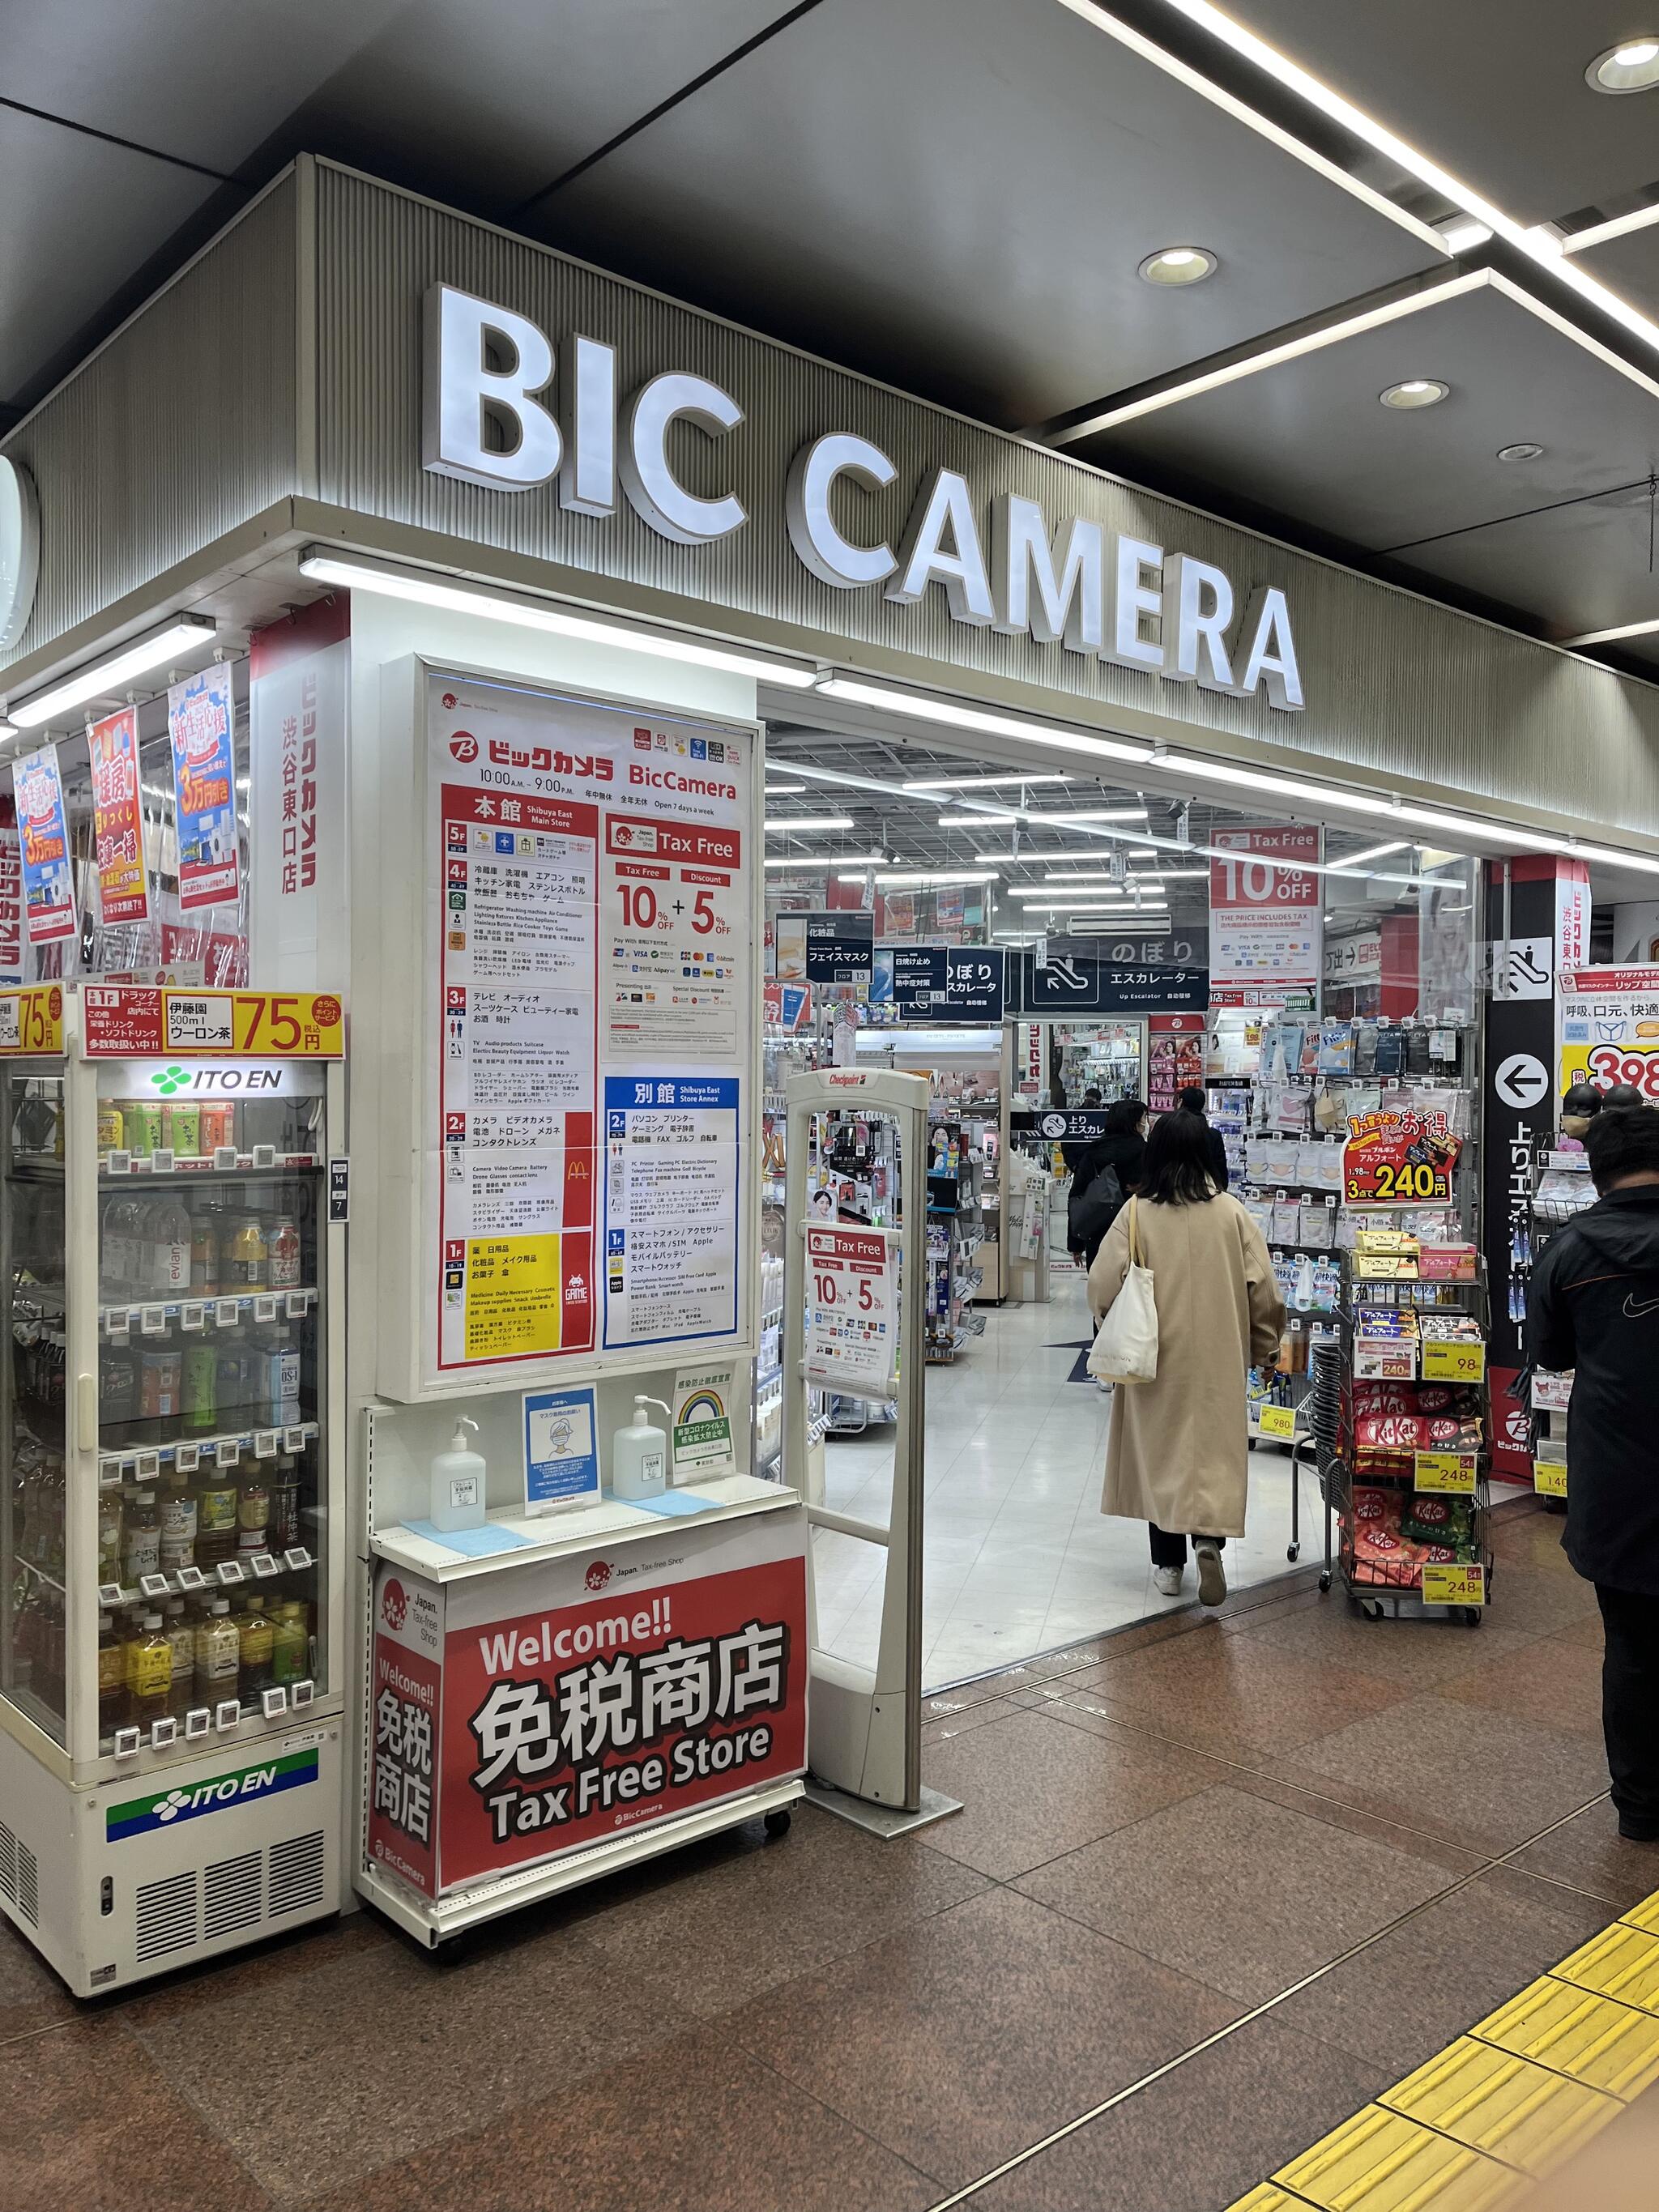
(1276, 1421)
(32, 1021)
(1549, 1478)
(1454, 1585)
(260, 1025)
(1449, 1473)
(1445, 1360)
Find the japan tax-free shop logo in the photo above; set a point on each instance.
(1002, 564)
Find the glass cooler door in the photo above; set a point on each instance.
(33, 1548)
(212, 1509)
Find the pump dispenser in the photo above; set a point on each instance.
(639, 1455)
(457, 1482)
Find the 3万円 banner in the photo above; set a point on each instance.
(43, 833)
(118, 819)
(201, 724)
(672, 1673)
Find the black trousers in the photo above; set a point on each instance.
(1630, 1701)
(1170, 1551)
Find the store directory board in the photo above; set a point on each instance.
(590, 1025)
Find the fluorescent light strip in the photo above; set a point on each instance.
(983, 782)
(1234, 372)
(919, 878)
(961, 717)
(826, 861)
(1599, 233)
(985, 820)
(784, 790)
(421, 589)
(1371, 852)
(188, 634)
(1538, 244)
(782, 826)
(1611, 637)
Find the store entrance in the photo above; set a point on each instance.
(1132, 940)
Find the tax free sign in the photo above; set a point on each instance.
(499, 410)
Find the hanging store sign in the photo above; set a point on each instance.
(118, 819)
(1071, 986)
(201, 722)
(828, 948)
(1063, 580)
(976, 983)
(525, 1714)
(1265, 916)
(43, 833)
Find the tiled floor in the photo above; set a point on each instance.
(1018, 1557)
(1217, 1881)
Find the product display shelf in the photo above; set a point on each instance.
(1383, 1469)
(1561, 1189)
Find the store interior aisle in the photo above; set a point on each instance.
(1218, 1881)
(1019, 1559)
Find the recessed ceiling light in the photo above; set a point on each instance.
(1525, 451)
(1179, 264)
(1632, 67)
(1415, 391)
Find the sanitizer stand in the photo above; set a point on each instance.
(863, 1743)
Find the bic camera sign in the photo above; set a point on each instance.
(1119, 597)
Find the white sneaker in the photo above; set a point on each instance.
(1212, 1575)
(1168, 1581)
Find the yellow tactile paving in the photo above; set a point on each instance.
(1591, 2039)
(1621, 1962)
(1380, 2162)
(1504, 2106)
(1269, 2199)
(1644, 1915)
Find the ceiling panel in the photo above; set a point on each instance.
(1629, 265)
(1492, 89)
(1309, 440)
(954, 194)
(81, 218)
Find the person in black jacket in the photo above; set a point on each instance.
(1122, 1147)
(1593, 1308)
(1191, 1101)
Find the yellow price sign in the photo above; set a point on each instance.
(259, 1024)
(1451, 1474)
(1454, 1585)
(1447, 1360)
(1277, 1421)
(31, 1022)
(1549, 1478)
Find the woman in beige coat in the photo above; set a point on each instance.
(1178, 1454)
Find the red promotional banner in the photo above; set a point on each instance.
(1399, 1159)
(502, 1739)
(118, 819)
(1265, 922)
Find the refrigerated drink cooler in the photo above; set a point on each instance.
(170, 1573)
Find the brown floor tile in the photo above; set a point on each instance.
(1552, 1681)
(726, 1933)
(698, 2128)
(246, 1973)
(945, 1717)
(1487, 1778)
(31, 1995)
(1537, 1599)
(1586, 1633)
(965, 2038)
(1200, 2137)
(1415, 1655)
(88, 2125)
(1235, 1693)
(1589, 1852)
(391, 2049)
(1032, 1788)
(1238, 1892)
(1423, 1985)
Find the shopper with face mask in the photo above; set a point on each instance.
(1593, 1309)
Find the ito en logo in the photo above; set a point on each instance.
(172, 1805)
(394, 1603)
(597, 1575)
(171, 1079)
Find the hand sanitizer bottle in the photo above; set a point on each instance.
(457, 1482)
(639, 1455)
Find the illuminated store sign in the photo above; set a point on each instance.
(1089, 590)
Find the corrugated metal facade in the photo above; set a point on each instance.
(187, 424)
(180, 427)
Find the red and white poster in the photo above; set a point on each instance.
(1265, 918)
(202, 725)
(591, 1026)
(531, 1712)
(43, 832)
(852, 1311)
(118, 820)
(297, 903)
(1175, 1057)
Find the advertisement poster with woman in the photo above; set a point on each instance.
(48, 878)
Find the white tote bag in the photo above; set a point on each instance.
(1126, 1349)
